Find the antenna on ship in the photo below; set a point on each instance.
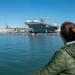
(6, 25)
(42, 19)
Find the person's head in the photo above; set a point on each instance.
(68, 31)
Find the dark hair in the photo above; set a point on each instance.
(68, 31)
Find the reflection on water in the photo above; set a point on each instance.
(23, 54)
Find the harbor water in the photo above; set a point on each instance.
(24, 54)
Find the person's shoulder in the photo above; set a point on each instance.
(67, 46)
(61, 52)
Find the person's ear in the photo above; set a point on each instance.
(63, 38)
(61, 35)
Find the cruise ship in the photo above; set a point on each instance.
(39, 26)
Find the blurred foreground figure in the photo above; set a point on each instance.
(63, 61)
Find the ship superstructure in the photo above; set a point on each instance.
(39, 26)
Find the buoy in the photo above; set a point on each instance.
(33, 34)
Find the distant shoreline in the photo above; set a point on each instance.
(52, 34)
